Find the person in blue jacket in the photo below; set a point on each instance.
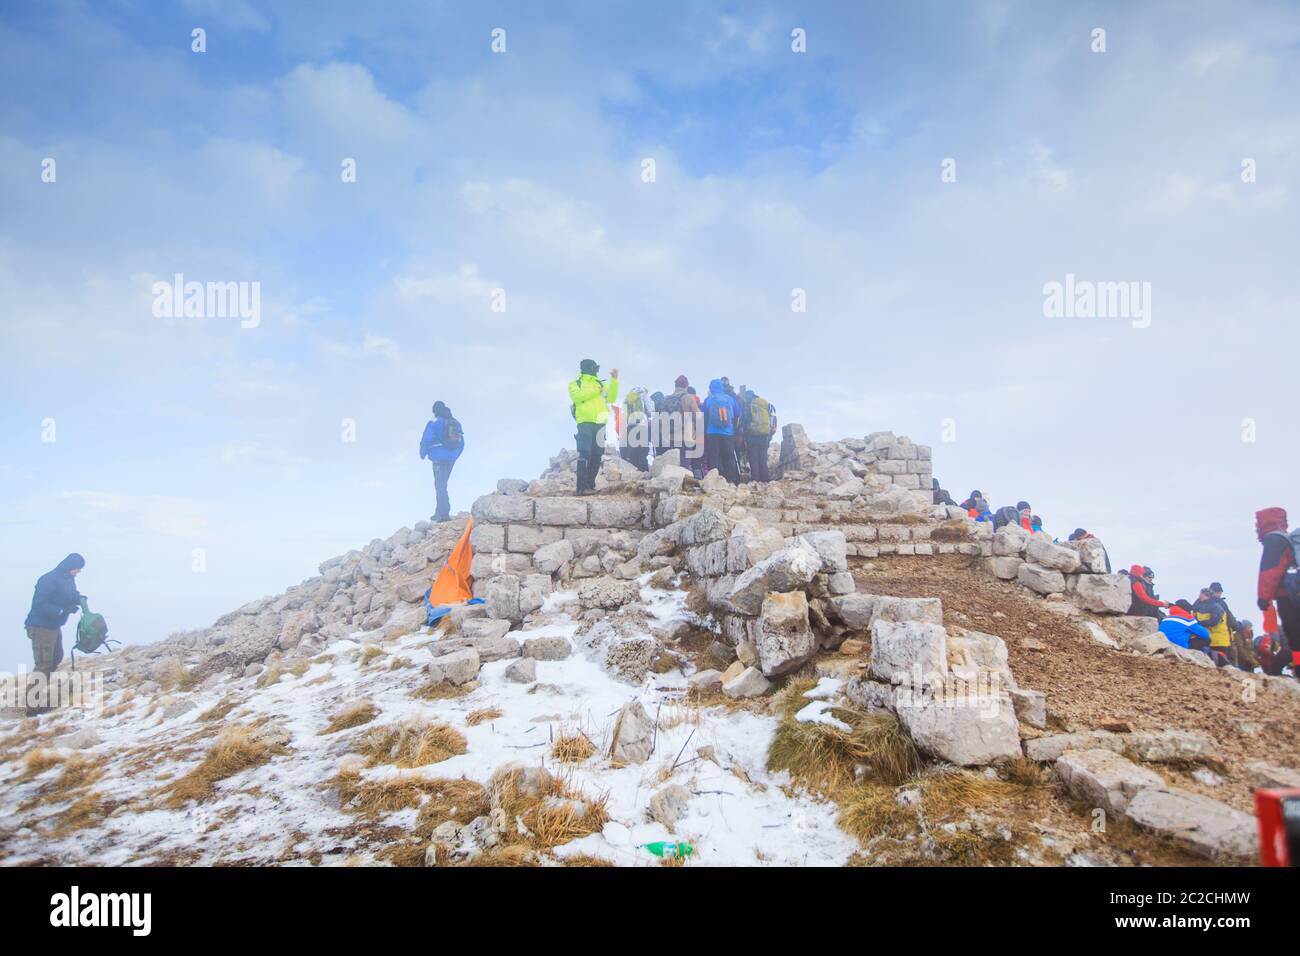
(721, 412)
(442, 443)
(54, 599)
(1181, 627)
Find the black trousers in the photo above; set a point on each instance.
(589, 454)
(720, 453)
(756, 449)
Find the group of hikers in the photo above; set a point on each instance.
(734, 425)
(1206, 624)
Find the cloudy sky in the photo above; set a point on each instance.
(137, 439)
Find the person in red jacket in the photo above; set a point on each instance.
(1277, 558)
(1145, 603)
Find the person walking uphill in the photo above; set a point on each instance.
(590, 399)
(720, 416)
(760, 426)
(53, 600)
(1278, 581)
(442, 443)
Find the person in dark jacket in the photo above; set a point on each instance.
(54, 599)
(1145, 603)
(938, 495)
(442, 443)
(1275, 562)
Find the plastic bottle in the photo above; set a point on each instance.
(662, 848)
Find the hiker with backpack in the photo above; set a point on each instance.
(1181, 627)
(442, 443)
(1279, 578)
(1213, 614)
(53, 601)
(591, 398)
(720, 415)
(759, 427)
(639, 410)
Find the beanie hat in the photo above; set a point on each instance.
(681, 381)
(441, 410)
(589, 367)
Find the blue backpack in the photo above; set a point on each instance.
(720, 412)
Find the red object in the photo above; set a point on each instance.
(1278, 813)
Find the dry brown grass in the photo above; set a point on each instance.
(352, 715)
(176, 676)
(573, 747)
(871, 811)
(299, 667)
(219, 710)
(1023, 772)
(458, 800)
(442, 690)
(412, 743)
(398, 663)
(86, 811)
(553, 813)
(271, 674)
(236, 749)
(369, 652)
(121, 707)
(500, 856)
(40, 760)
(372, 798)
(585, 859)
(482, 715)
(825, 758)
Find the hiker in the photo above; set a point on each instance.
(972, 502)
(1145, 603)
(1026, 515)
(639, 409)
(590, 409)
(1079, 534)
(1181, 627)
(1216, 592)
(1243, 647)
(442, 442)
(1005, 516)
(1213, 614)
(1279, 586)
(939, 496)
(1036, 525)
(720, 414)
(53, 601)
(760, 426)
(1272, 651)
(738, 445)
(677, 414)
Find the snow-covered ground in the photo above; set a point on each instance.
(738, 812)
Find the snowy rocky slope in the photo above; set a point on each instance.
(669, 660)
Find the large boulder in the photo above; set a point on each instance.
(502, 509)
(1205, 826)
(964, 731)
(1102, 778)
(550, 558)
(790, 569)
(744, 682)
(1170, 746)
(501, 595)
(561, 511)
(1103, 593)
(1092, 555)
(616, 512)
(458, 667)
(1049, 749)
(784, 640)
(861, 611)
(909, 652)
(832, 546)
(1041, 580)
(607, 593)
(1045, 554)
(1010, 541)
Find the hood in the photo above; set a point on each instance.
(71, 562)
(715, 387)
(1270, 519)
(637, 390)
(1176, 611)
(1137, 570)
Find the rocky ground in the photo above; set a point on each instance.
(821, 671)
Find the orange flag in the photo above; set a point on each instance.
(453, 585)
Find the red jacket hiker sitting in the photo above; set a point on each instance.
(1145, 602)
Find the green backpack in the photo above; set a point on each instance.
(762, 417)
(92, 633)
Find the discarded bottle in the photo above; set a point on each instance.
(662, 848)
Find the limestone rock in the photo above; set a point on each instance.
(784, 640)
(607, 593)
(458, 667)
(909, 652)
(1049, 749)
(1045, 554)
(1041, 580)
(750, 682)
(633, 736)
(547, 648)
(668, 804)
(1206, 826)
(963, 732)
(522, 671)
(1102, 778)
(1031, 706)
(1165, 746)
(1103, 593)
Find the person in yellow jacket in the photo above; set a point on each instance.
(590, 398)
(1213, 614)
